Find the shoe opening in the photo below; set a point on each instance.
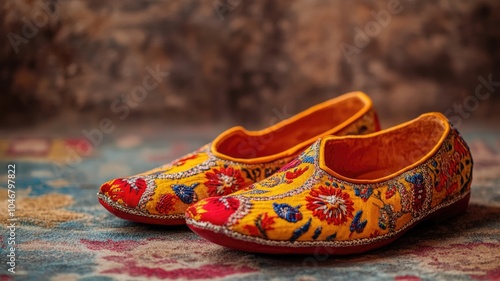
(300, 130)
(383, 154)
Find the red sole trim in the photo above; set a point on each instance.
(141, 219)
(445, 213)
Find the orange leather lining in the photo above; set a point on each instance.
(289, 136)
(379, 156)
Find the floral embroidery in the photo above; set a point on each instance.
(202, 174)
(387, 214)
(219, 209)
(111, 190)
(224, 181)
(196, 210)
(287, 212)
(290, 176)
(128, 190)
(263, 224)
(336, 212)
(330, 204)
(364, 192)
(287, 176)
(165, 204)
(186, 193)
(387, 217)
(391, 190)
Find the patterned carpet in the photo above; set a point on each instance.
(62, 233)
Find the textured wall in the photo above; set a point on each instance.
(237, 60)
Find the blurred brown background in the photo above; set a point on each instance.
(244, 62)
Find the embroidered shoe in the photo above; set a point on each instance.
(346, 195)
(233, 161)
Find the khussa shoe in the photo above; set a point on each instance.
(233, 161)
(346, 195)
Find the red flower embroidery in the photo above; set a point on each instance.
(224, 181)
(128, 190)
(219, 209)
(267, 222)
(330, 204)
(290, 176)
(165, 204)
(263, 223)
(390, 192)
(252, 229)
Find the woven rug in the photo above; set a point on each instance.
(62, 233)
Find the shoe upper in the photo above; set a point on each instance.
(345, 191)
(234, 160)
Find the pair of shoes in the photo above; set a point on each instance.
(342, 194)
(236, 159)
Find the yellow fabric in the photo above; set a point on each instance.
(352, 188)
(236, 159)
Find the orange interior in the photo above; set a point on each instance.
(384, 154)
(291, 132)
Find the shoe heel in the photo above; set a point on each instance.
(450, 211)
